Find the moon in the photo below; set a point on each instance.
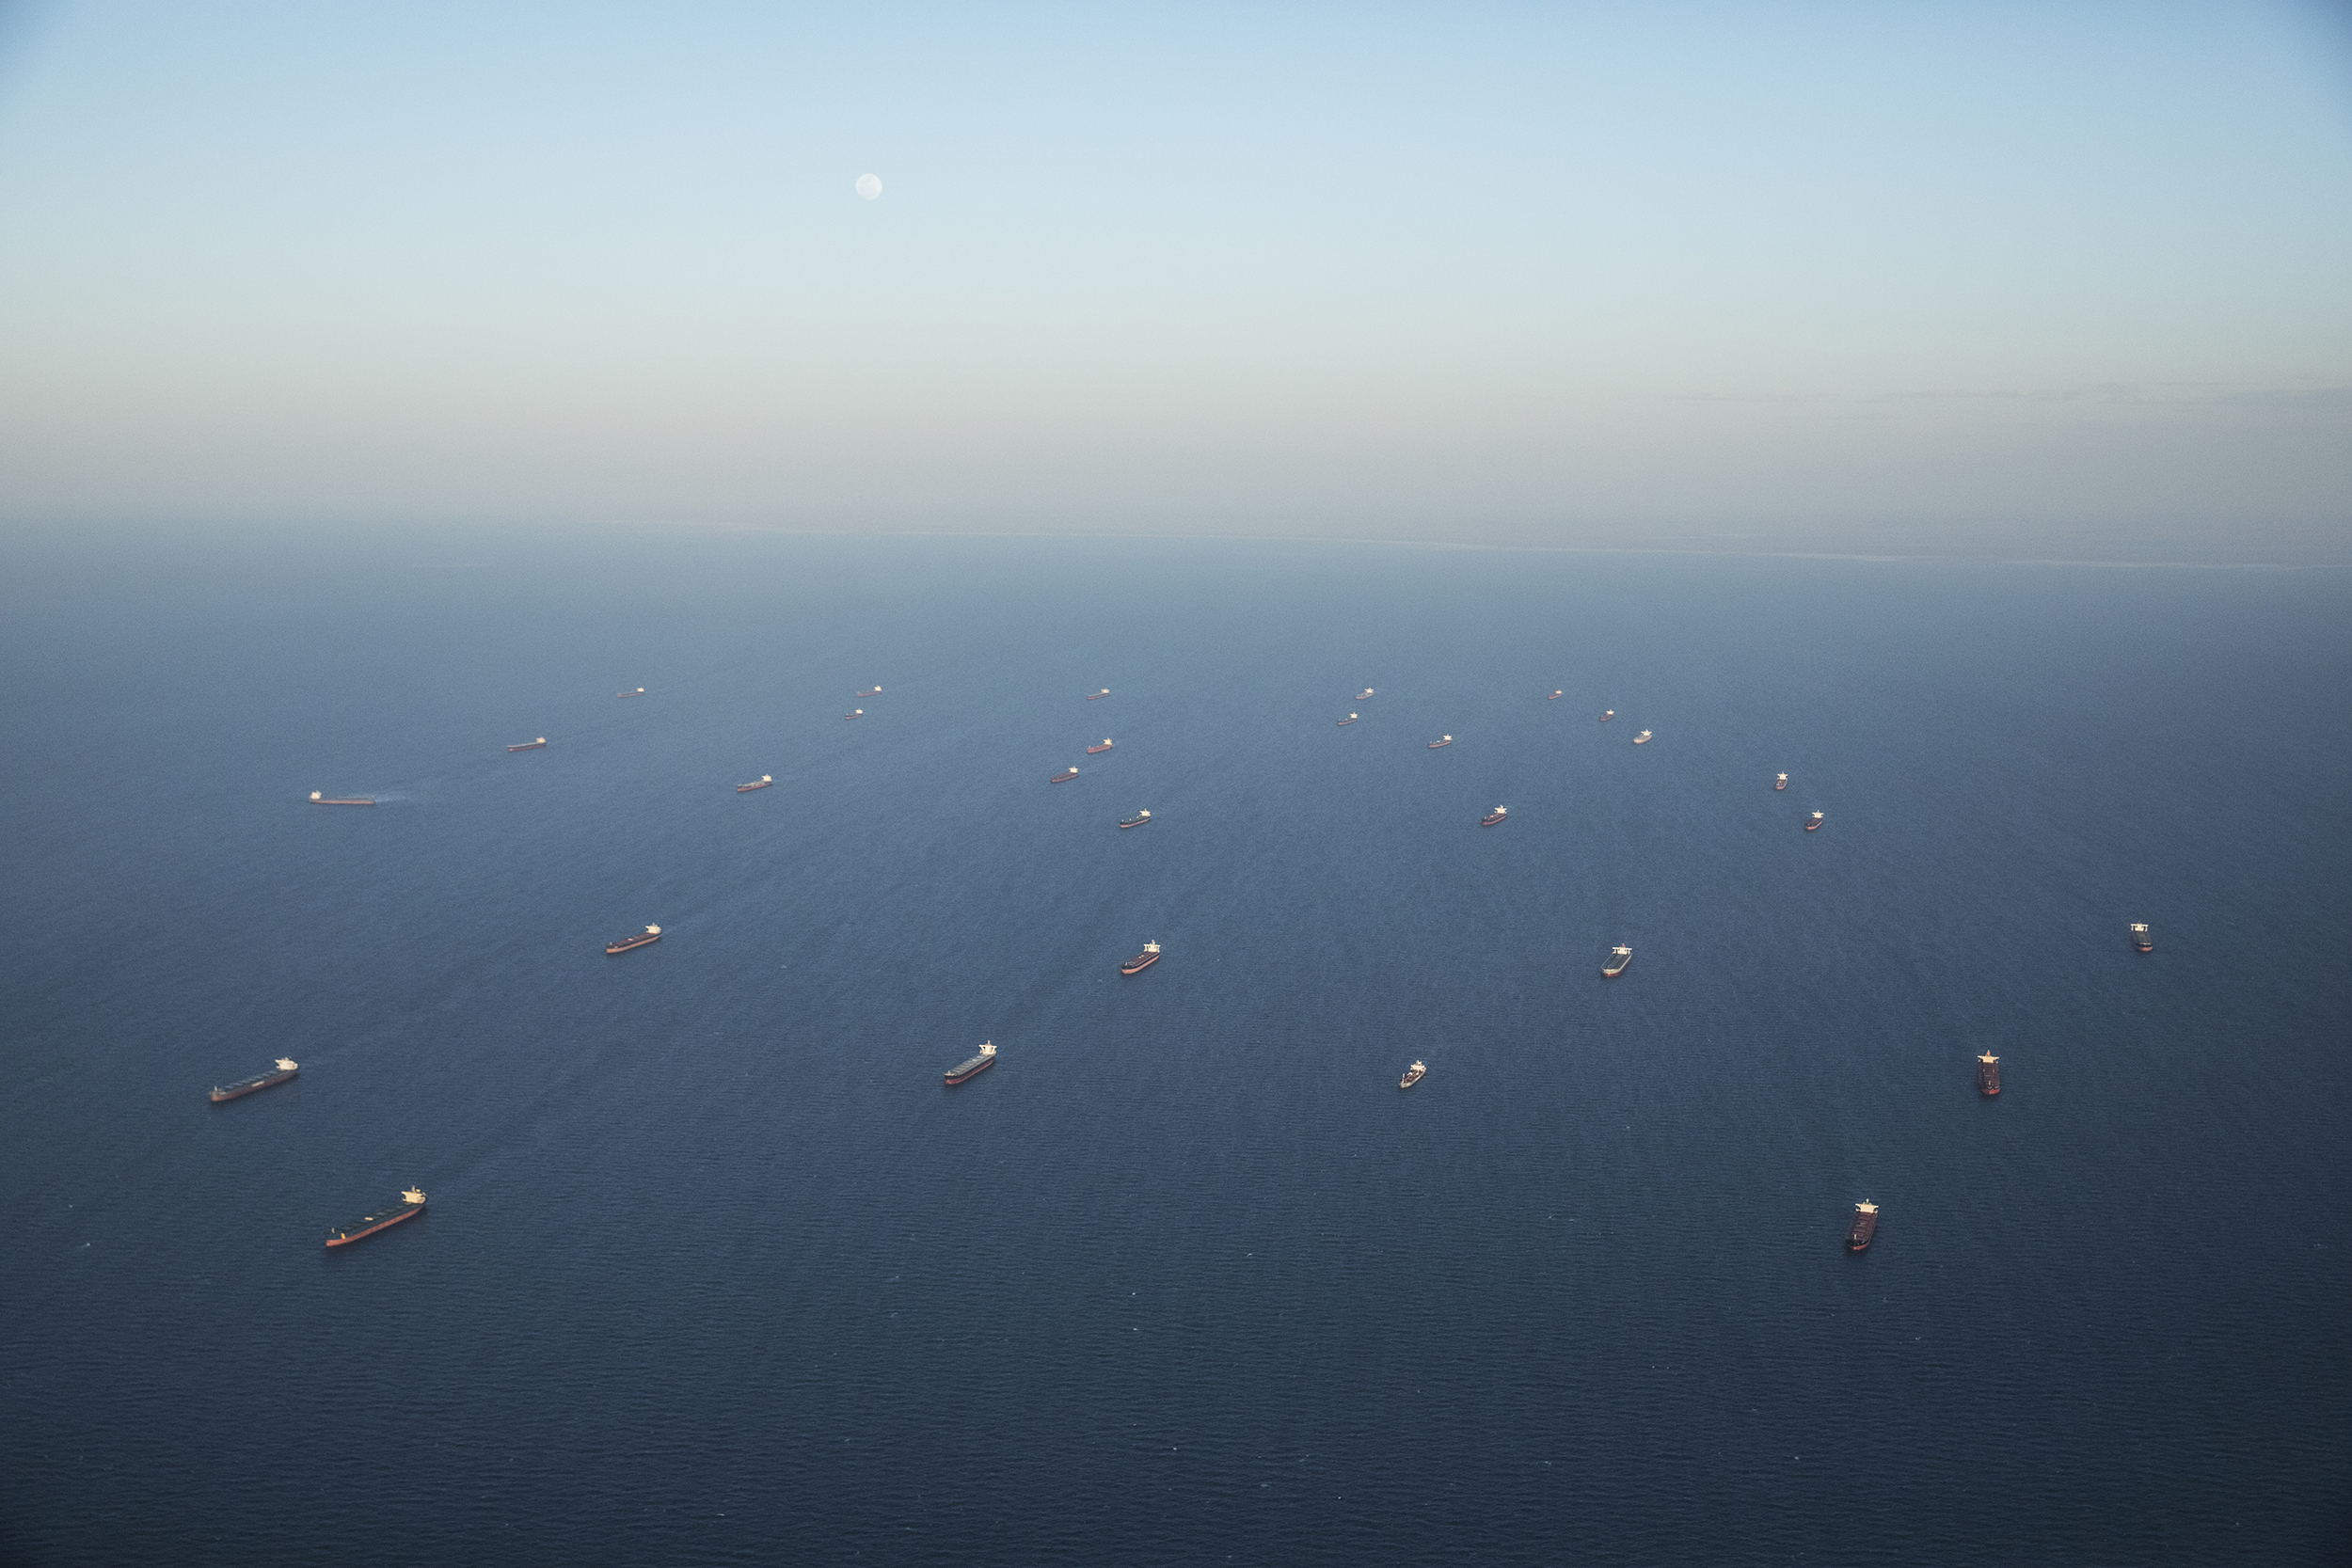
(868, 187)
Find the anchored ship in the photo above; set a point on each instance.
(1642, 739)
(1364, 693)
(1619, 957)
(1553, 698)
(854, 713)
(1987, 1074)
(318, 800)
(1441, 740)
(638, 692)
(760, 783)
(1104, 747)
(1413, 1074)
(284, 1070)
(1098, 696)
(411, 1202)
(1866, 1224)
(645, 937)
(1780, 781)
(1136, 821)
(1143, 961)
(529, 745)
(1813, 822)
(1064, 776)
(876, 692)
(965, 1071)
(1349, 719)
(1607, 714)
(1492, 817)
(2142, 939)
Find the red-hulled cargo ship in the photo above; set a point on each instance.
(411, 1204)
(965, 1071)
(1987, 1074)
(645, 937)
(285, 1068)
(763, 782)
(854, 713)
(1104, 747)
(1493, 817)
(1866, 1224)
(1064, 776)
(1136, 821)
(1442, 741)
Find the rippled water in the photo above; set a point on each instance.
(716, 1270)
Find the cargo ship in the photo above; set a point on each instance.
(1064, 776)
(529, 745)
(1553, 698)
(318, 800)
(1642, 739)
(278, 1074)
(876, 692)
(854, 713)
(1143, 961)
(1607, 714)
(645, 937)
(1866, 1224)
(1136, 821)
(1813, 822)
(1098, 696)
(1619, 957)
(1780, 781)
(638, 692)
(1441, 741)
(2142, 939)
(1987, 1074)
(1349, 719)
(1492, 817)
(1413, 1074)
(411, 1202)
(964, 1072)
(1364, 693)
(1104, 747)
(761, 783)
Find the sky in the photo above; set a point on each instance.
(1539, 272)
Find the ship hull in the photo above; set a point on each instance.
(1439, 745)
(616, 948)
(1988, 1082)
(1492, 821)
(1096, 751)
(531, 746)
(367, 1227)
(1862, 1232)
(1063, 778)
(1145, 823)
(746, 789)
(238, 1092)
(968, 1071)
(356, 802)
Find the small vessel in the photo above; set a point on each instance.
(1143, 961)
(876, 692)
(529, 745)
(1136, 821)
(2141, 938)
(1064, 776)
(1607, 713)
(278, 1074)
(1413, 1074)
(1492, 817)
(638, 692)
(645, 937)
(1364, 693)
(1987, 1074)
(760, 783)
(1780, 781)
(1619, 957)
(411, 1202)
(1642, 739)
(964, 1072)
(1813, 822)
(1104, 747)
(318, 800)
(1098, 696)
(854, 713)
(1553, 698)
(1349, 719)
(1866, 1224)
(1441, 740)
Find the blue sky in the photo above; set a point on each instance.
(1451, 272)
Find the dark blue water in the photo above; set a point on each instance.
(716, 1271)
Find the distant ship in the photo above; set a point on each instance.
(1136, 821)
(1813, 822)
(638, 692)
(411, 1202)
(1553, 698)
(876, 692)
(1619, 957)
(1607, 713)
(1364, 693)
(529, 745)
(1866, 1224)
(1780, 781)
(1413, 1074)
(2142, 939)
(1143, 961)
(318, 800)
(760, 783)
(854, 713)
(1987, 1074)
(964, 1072)
(1492, 817)
(1064, 776)
(645, 937)
(1349, 719)
(1642, 739)
(1104, 747)
(1441, 740)
(278, 1074)
(1098, 696)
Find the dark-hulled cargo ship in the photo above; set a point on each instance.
(965, 1071)
(529, 745)
(411, 1204)
(854, 713)
(760, 783)
(1780, 781)
(1813, 823)
(1136, 821)
(2143, 939)
(285, 1068)
(1096, 751)
(1493, 819)
(1349, 719)
(1143, 961)
(645, 937)
(1064, 776)
(1987, 1074)
(1866, 1224)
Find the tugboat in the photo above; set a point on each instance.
(1441, 741)
(645, 937)
(529, 745)
(964, 1072)
(1780, 781)
(1987, 1074)
(1104, 747)
(1619, 957)
(1349, 719)
(1813, 823)
(1607, 713)
(1413, 1074)
(1492, 817)
(1064, 776)
(638, 692)
(1143, 961)
(2142, 939)
(411, 1202)
(1098, 696)
(760, 783)
(1364, 693)
(854, 713)
(1642, 739)
(284, 1070)
(318, 800)
(1136, 821)
(1866, 1224)
(876, 692)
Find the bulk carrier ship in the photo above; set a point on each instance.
(1092, 750)
(1441, 741)
(1813, 823)
(1780, 781)
(638, 692)
(318, 800)
(645, 937)
(1866, 1224)
(1619, 957)
(1064, 776)
(1413, 1074)
(284, 1070)
(1493, 817)
(530, 745)
(1136, 821)
(1098, 696)
(2143, 939)
(1143, 961)
(1987, 1074)
(411, 1203)
(763, 782)
(1349, 719)
(964, 1072)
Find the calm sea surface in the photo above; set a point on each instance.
(715, 1270)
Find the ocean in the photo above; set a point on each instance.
(716, 1270)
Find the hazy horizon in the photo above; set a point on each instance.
(2017, 279)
